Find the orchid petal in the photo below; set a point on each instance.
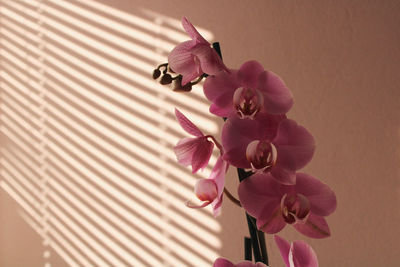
(302, 255)
(221, 262)
(194, 151)
(295, 146)
(271, 221)
(321, 197)
(238, 133)
(260, 196)
(277, 97)
(284, 248)
(286, 177)
(193, 206)
(224, 112)
(185, 150)
(219, 89)
(181, 60)
(210, 61)
(187, 125)
(192, 32)
(205, 190)
(315, 226)
(218, 176)
(249, 72)
(202, 155)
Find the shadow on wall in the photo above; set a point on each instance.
(88, 135)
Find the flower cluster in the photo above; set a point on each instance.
(257, 136)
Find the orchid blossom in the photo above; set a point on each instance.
(222, 262)
(195, 57)
(210, 190)
(192, 151)
(297, 253)
(247, 91)
(256, 136)
(269, 143)
(303, 205)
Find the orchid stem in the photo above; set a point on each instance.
(254, 239)
(231, 197)
(261, 238)
(247, 248)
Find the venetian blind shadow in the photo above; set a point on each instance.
(88, 136)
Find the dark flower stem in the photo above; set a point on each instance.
(231, 197)
(247, 248)
(257, 237)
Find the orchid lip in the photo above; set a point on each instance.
(262, 155)
(247, 102)
(295, 208)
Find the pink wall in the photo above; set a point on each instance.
(341, 61)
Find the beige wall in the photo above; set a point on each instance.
(341, 60)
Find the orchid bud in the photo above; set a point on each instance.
(156, 73)
(166, 79)
(177, 85)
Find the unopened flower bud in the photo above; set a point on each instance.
(166, 79)
(177, 85)
(156, 73)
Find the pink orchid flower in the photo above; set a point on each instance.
(247, 91)
(296, 254)
(211, 190)
(222, 262)
(303, 205)
(269, 143)
(192, 151)
(195, 57)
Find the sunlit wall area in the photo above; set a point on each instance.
(87, 136)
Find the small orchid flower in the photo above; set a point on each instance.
(303, 205)
(195, 57)
(210, 190)
(222, 262)
(269, 143)
(192, 151)
(247, 91)
(296, 254)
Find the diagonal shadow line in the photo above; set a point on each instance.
(95, 170)
(74, 183)
(20, 135)
(53, 243)
(67, 229)
(113, 205)
(11, 178)
(140, 199)
(80, 106)
(122, 212)
(172, 99)
(123, 22)
(31, 186)
(30, 128)
(34, 219)
(88, 229)
(11, 154)
(89, 26)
